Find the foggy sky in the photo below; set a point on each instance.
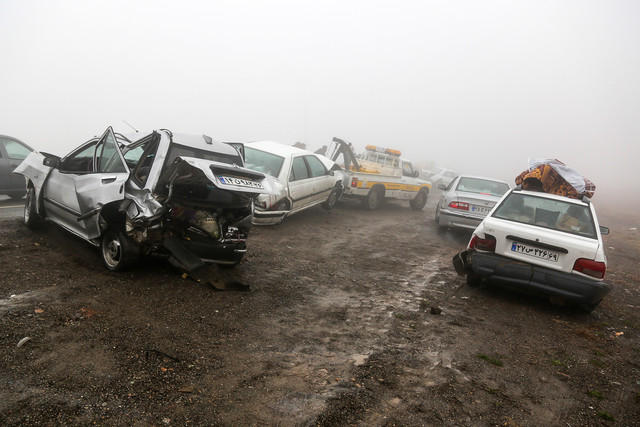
(474, 86)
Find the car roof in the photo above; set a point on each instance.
(551, 196)
(277, 148)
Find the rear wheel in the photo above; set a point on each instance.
(31, 218)
(441, 227)
(418, 202)
(373, 199)
(119, 252)
(590, 307)
(473, 279)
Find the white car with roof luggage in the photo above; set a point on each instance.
(540, 243)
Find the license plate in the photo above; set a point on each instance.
(544, 254)
(230, 180)
(480, 209)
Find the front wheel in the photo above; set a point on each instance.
(332, 199)
(373, 199)
(31, 218)
(119, 252)
(418, 202)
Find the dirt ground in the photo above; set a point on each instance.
(353, 318)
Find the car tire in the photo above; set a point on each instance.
(31, 217)
(441, 227)
(332, 199)
(418, 202)
(118, 251)
(473, 279)
(373, 199)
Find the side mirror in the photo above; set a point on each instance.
(416, 174)
(51, 162)
(604, 230)
(442, 186)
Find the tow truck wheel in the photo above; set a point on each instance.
(418, 202)
(373, 199)
(118, 251)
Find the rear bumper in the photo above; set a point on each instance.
(536, 280)
(459, 220)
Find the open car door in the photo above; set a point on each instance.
(85, 181)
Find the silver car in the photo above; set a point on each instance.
(12, 153)
(467, 200)
(184, 196)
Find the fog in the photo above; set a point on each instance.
(478, 87)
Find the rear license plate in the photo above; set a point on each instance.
(480, 209)
(230, 180)
(544, 254)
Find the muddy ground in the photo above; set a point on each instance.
(353, 318)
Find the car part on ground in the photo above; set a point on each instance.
(185, 197)
(304, 179)
(379, 174)
(467, 200)
(542, 244)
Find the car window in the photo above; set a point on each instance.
(81, 160)
(264, 162)
(407, 170)
(140, 157)
(109, 160)
(482, 186)
(315, 166)
(298, 169)
(548, 213)
(15, 150)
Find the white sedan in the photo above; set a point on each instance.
(307, 179)
(540, 243)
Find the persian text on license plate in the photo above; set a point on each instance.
(480, 209)
(534, 252)
(239, 182)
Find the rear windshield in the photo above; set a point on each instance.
(482, 186)
(262, 161)
(547, 213)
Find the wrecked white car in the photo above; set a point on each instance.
(184, 196)
(304, 179)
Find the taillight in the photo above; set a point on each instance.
(590, 267)
(459, 205)
(487, 244)
(354, 181)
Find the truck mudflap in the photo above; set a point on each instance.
(460, 262)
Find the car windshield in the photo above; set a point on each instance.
(262, 161)
(482, 186)
(548, 213)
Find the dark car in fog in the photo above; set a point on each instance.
(12, 153)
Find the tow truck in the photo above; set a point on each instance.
(377, 174)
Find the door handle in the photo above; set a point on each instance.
(108, 179)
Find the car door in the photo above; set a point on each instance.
(321, 180)
(300, 185)
(12, 153)
(83, 182)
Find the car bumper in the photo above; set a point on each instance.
(459, 220)
(261, 217)
(536, 280)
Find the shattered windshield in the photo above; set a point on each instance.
(264, 162)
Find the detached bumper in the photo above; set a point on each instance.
(535, 280)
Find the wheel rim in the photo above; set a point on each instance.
(112, 252)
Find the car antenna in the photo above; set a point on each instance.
(130, 126)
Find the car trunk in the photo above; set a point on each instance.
(540, 246)
(480, 204)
